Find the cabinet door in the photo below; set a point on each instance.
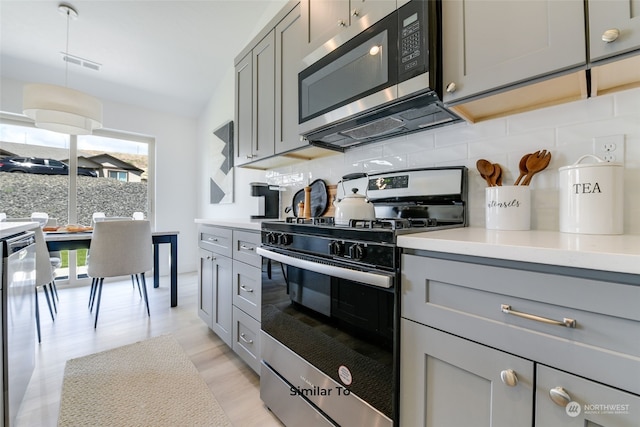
(264, 98)
(243, 132)
(205, 287)
(621, 15)
(323, 20)
(581, 402)
(491, 44)
(289, 49)
(222, 297)
(447, 381)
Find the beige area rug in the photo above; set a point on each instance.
(149, 383)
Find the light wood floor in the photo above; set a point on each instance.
(123, 320)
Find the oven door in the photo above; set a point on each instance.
(328, 343)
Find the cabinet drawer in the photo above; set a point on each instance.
(244, 247)
(247, 288)
(467, 299)
(246, 338)
(590, 403)
(215, 239)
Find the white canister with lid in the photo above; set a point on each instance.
(591, 197)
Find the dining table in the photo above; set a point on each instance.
(61, 241)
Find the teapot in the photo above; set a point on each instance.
(353, 206)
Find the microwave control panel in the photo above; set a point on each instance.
(412, 39)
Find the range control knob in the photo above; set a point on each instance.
(356, 252)
(285, 239)
(336, 248)
(272, 238)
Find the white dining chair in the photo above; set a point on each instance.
(44, 277)
(43, 219)
(119, 248)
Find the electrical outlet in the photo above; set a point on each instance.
(609, 148)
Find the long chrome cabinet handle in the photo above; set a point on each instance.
(244, 288)
(566, 322)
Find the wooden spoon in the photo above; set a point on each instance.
(536, 162)
(496, 176)
(486, 169)
(523, 168)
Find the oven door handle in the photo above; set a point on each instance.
(374, 279)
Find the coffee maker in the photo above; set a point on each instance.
(269, 203)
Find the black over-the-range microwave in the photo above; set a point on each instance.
(384, 82)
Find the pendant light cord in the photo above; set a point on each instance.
(66, 53)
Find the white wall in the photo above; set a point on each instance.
(220, 110)
(566, 130)
(175, 196)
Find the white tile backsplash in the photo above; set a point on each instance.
(566, 130)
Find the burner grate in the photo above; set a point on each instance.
(393, 223)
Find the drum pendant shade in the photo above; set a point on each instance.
(61, 109)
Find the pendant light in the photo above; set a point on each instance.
(59, 108)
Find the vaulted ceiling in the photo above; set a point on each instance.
(159, 54)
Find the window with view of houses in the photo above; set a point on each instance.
(111, 177)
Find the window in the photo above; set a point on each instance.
(94, 159)
(119, 175)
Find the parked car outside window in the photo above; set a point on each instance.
(40, 165)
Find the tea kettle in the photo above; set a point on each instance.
(353, 206)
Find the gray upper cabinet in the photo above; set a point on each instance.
(255, 100)
(243, 133)
(614, 27)
(489, 45)
(263, 108)
(325, 19)
(289, 50)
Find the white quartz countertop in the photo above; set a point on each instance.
(10, 228)
(247, 224)
(615, 253)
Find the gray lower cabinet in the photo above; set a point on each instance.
(493, 44)
(214, 296)
(230, 288)
(451, 382)
(501, 343)
(581, 402)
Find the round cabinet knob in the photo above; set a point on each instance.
(341, 23)
(355, 12)
(559, 396)
(451, 87)
(611, 35)
(509, 377)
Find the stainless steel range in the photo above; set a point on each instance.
(331, 300)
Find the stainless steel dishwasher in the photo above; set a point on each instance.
(18, 322)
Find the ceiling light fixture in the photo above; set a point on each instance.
(59, 108)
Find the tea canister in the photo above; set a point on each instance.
(591, 197)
